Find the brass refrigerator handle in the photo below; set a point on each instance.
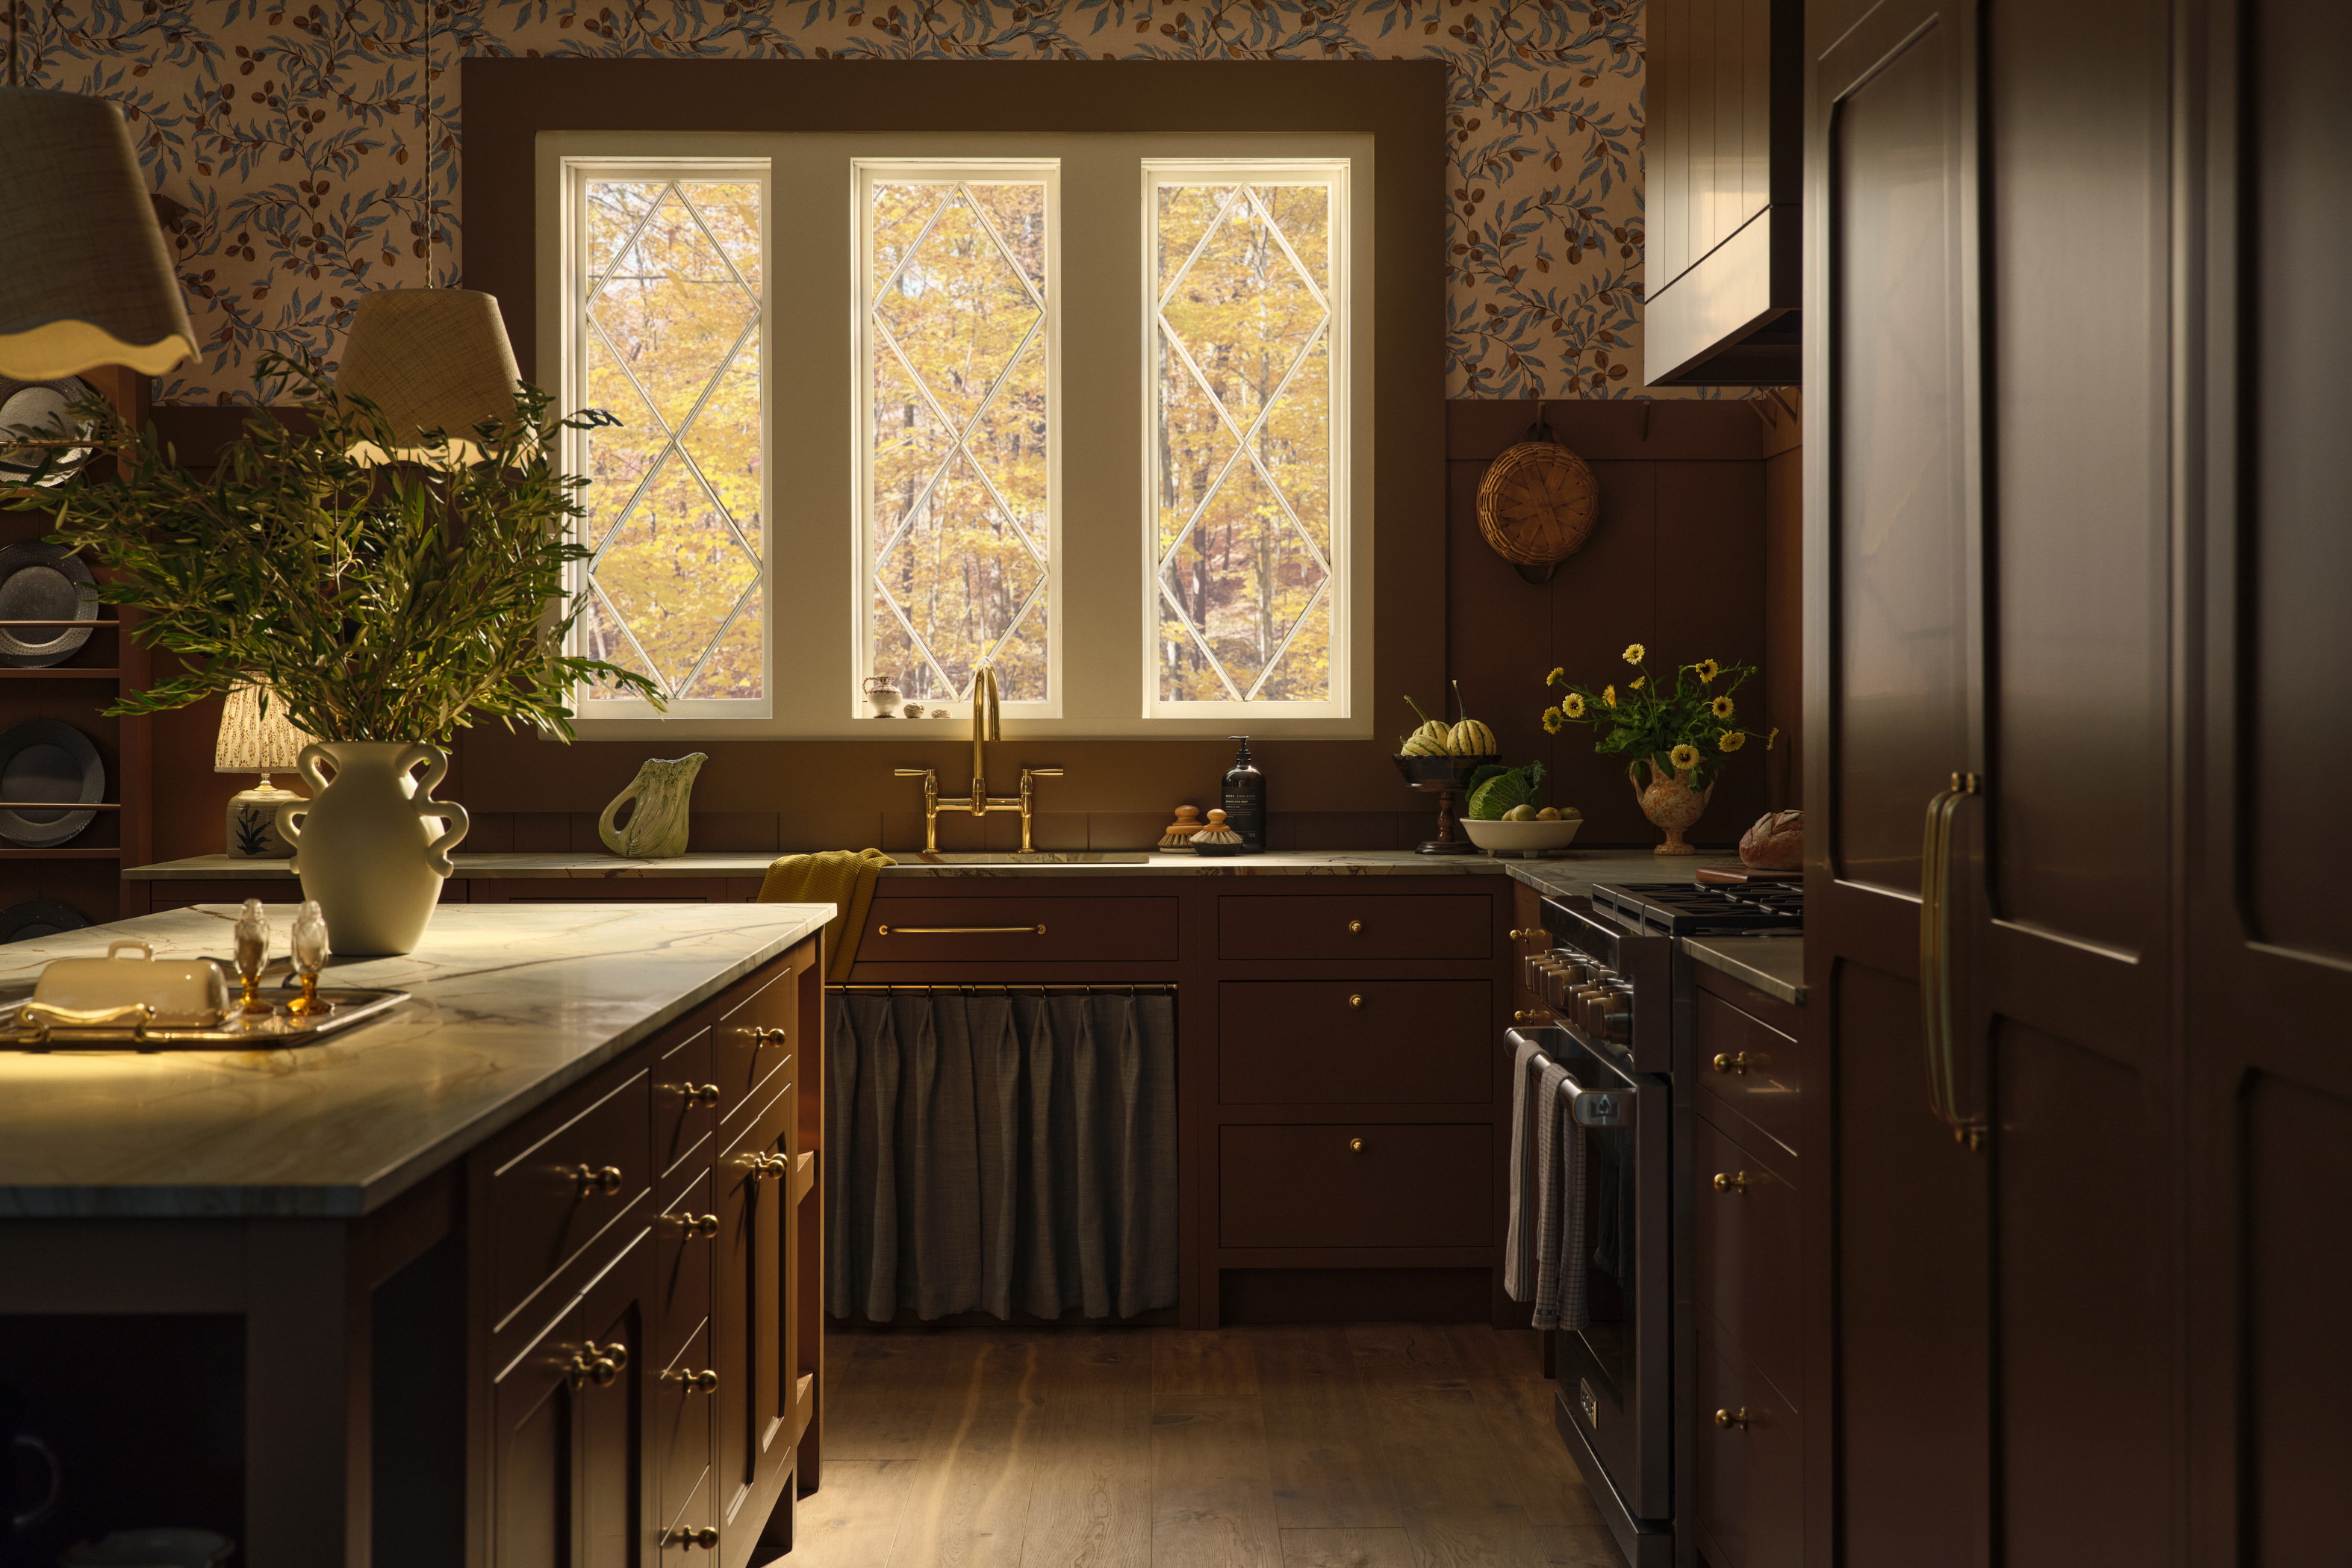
(1937, 1025)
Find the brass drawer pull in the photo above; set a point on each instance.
(765, 1037)
(700, 1227)
(701, 1381)
(1355, 1001)
(1742, 1061)
(1728, 1419)
(597, 1181)
(1523, 935)
(1037, 930)
(1355, 1145)
(705, 1537)
(1355, 928)
(1525, 1017)
(699, 1093)
(765, 1166)
(1734, 1181)
(599, 1365)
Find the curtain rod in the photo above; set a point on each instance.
(999, 988)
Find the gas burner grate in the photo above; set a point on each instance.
(1691, 909)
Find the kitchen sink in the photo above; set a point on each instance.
(1034, 858)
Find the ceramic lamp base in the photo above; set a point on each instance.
(253, 823)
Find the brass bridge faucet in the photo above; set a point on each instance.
(986, 726)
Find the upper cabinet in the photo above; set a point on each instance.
(1724, 166)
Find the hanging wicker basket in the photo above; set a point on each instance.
(1536, 504)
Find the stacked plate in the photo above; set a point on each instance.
(43, 583)
(45, 760)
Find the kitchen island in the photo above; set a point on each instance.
(556, 1157)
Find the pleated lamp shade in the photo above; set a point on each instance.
(431, 359)
(85, 277)
(253, 742)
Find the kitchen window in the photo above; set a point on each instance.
(1083, 406)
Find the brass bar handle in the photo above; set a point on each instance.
(1937, 1027)
(1039, 929)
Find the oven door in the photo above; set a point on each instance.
(1616, 1388)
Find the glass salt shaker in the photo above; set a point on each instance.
(310, 957)
(252, 954)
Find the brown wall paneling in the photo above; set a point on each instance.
(1784, 601)
(1677, 561)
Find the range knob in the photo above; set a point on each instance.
(1617, 1020)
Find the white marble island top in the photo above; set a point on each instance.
(511, 1003)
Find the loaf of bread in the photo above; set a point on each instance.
(1777, 842)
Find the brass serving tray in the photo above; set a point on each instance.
(279, 1031)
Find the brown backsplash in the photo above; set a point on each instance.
(1697, 502)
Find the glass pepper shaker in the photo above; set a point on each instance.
(252, 954)
(310, 957)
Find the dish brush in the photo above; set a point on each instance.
(1178, 836)
(1215, 838)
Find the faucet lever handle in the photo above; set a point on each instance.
(912, 773)
(1041, 772)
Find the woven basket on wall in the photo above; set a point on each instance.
(1537, 503)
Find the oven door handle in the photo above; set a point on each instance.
(1606, 1105)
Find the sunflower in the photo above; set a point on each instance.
(1731, 740)
(1720, 707)
(1608, 695)
(1684, 757)
(1635, 653)
(1572, 705)
(1707, 669)
(1558, 677)
(1635, 684)
(1552, 720)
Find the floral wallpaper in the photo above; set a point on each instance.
(318, 147)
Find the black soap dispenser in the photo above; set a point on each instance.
(1244, 800)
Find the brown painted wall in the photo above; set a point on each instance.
(1681, 560)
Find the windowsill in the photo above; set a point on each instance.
(959, 727)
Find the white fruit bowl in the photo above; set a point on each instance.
(1522, 837)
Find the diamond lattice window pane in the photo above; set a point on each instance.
(670, 323)
(958, 529)
(1244, 344)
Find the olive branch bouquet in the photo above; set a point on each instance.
(376, 602)
(1681, 726)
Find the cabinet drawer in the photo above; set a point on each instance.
(581, 1168)
(682, 1538)
(682, 1421)
(1355, 1185)
(754, 1038)
(1359, 1042)
(686, 1234)
(1749, 1291)
(1750, 1472)
(1747, 1065)
(1343, 925)
(686, 1101)
(1017, 930)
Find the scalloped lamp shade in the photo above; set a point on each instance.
(431, 359)
(253, 742)
(85, 277)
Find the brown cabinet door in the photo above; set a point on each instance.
(1355, 1185)
(1749, 1467)
(754, 1188)
(569, 1482)
(1749, 1290)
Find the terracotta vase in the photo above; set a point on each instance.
(371, 844)
(1670, 802)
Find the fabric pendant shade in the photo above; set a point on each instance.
(85, 275)
(431, 359)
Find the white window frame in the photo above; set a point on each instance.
(813, 517)
(1340, 330)
(867, 172)
(577, 172)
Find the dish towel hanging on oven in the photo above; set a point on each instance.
(1000, 1152)
(1545, 1255)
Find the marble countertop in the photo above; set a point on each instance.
(512, 1004)
(911, 863)
(1773, 964)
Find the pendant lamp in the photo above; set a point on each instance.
(431, 359)
(85, 277)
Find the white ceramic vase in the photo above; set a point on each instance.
(371, 844)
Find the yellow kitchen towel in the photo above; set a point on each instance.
(843, 878)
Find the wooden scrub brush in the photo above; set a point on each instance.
(1178, 836)
(1215, 838)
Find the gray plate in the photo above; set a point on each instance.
(42, 407)
(47, 759)
(39, 917)
(43, 583)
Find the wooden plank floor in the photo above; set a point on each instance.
(1368, 1446)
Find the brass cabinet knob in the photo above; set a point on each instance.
(705, 1537)
(1525, 935)
(764, 1166)
(1740, 1061)
(762, 1036)
(1728, 1419)
(1525, 1017)
(701, 1226)
(617, 1354)
(699, 1093)
(1355, 928)
(597, 1181)
(1355, 1145)
(1355, 1001)
(597, 1365)
(1734, 1182)
(701, 1381)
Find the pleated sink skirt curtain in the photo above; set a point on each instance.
(999, 1152)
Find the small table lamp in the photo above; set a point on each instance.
(255, 743)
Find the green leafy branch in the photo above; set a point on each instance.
(1681, 725)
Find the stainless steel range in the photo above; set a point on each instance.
(1618, 993)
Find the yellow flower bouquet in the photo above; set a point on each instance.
(1684, 725)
